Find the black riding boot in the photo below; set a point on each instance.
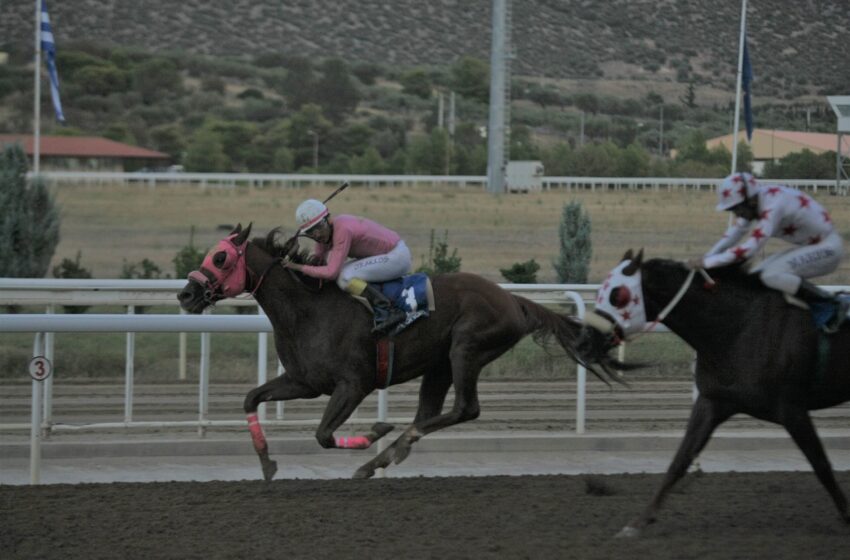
(810, 293)
(820, 298)
(387, 316)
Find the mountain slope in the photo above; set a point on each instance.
(797, 47)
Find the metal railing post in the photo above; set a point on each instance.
(581, 371)
(181, 367)
(129, 371)
(203, 382)
(262, 364)
(35, 418)
(279, 404)
(49, 343)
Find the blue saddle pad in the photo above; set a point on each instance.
(409, 293)
(823, 312)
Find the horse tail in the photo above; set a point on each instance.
(545, 325)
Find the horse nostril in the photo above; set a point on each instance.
(184, 295)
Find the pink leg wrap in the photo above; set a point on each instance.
(257, 433)
(353, 442)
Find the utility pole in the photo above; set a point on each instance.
(581, 134)
(315, 136)
(661, 133)
(496, 128)
(450, 145)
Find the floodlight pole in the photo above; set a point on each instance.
(738, 86)
(496, 128)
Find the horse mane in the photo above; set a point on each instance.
(735, 274)
(271, 245)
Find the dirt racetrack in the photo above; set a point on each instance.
(722, 515)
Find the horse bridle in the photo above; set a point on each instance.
(608, 326)
(213, 283)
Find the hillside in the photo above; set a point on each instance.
(798, 48)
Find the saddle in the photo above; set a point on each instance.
(411, 293)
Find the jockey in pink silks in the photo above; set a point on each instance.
(784, 213)
(378, 255)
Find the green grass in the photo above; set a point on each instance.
(112, 223)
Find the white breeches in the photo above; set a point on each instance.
(784, 270)
(378, 268)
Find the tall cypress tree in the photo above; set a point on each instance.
(29, 219)
(573, 264)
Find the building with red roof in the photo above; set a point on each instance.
(773, 145)
(87, 153)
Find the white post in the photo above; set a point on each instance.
(382, 417)
(203, 381)
(36, 106)
(35, 417)
(581, 371)
(181, 367)
(262, 364)
(280, 371)
(738, 86)
(48, 383)
(129, 371)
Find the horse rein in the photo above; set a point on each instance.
(676, 299)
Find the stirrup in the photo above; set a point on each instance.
(833, 325)
(389, 320)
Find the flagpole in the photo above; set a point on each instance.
(738, 86)
(36, 137)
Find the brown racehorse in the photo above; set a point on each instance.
(756, 355)
(323, 339)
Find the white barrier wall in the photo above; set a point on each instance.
(229, 180)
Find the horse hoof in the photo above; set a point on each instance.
(380, 429)
(363, 472)
(269, 469)
(628, 532)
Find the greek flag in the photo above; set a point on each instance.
(48, 47)
(747, 80)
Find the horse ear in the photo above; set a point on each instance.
(237, 229)
(627, 256)
(243, 234)
(634, 266)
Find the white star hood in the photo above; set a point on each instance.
(621, 297)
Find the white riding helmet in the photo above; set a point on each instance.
(309, 213)
(734, 189)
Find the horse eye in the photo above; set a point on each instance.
(620, 297)
(219, 259)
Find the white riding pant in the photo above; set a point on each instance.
(784, 270)
(378, 268)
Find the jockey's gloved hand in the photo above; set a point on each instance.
(695, 262)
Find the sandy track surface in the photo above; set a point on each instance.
(723, 515)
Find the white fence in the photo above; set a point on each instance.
(230, 180)
(133, 293)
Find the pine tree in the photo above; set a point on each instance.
(29, 219)
(573, 264)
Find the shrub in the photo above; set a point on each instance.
(29, 219)
(145, 269)
(439, 261)
(573, 263)
(521, 273)
(188, 258)
(72, 269)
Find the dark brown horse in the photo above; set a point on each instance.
(323, 340)
(756, 355)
